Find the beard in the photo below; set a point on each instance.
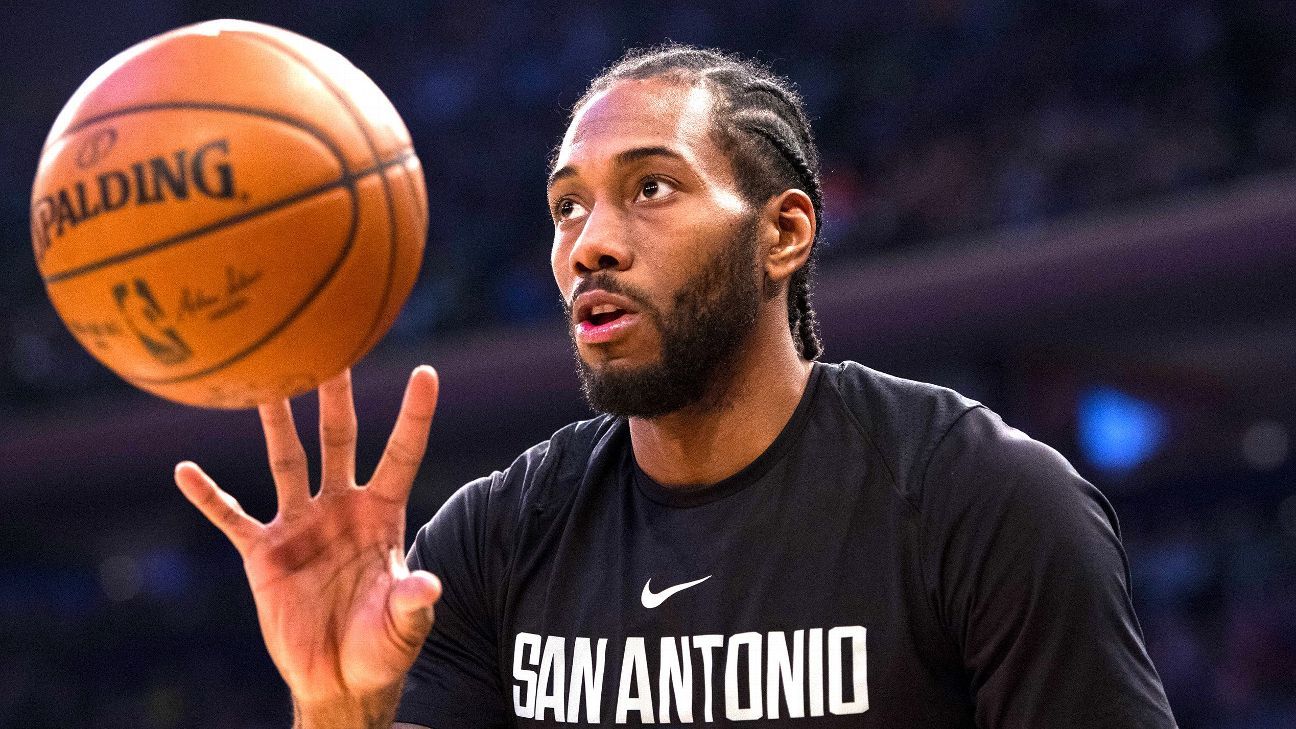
(712, 317)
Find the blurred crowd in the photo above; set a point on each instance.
(1215, 590)
(938, 120)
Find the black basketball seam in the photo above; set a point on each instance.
(273, 331)
(310, 129)
(369, 338)
(348, 181)
(301, 306)
(212, 106)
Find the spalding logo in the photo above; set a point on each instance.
(205, 171)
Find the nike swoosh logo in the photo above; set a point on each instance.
(652, 599)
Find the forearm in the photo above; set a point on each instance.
(376, 711)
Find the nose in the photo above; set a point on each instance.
(602, 243)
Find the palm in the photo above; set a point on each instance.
(340, 613)
(293, 573)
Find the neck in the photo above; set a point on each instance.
(709, 441)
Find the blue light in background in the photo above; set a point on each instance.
(1118, 431)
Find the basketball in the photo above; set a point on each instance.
(227, 214)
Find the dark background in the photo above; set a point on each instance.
(1080, 213)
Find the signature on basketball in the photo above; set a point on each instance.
(218, 302)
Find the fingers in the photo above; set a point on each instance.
(411, 604)
(400, 461)
(286, 455)
(220, 508)
(410, 601)
(337, 432)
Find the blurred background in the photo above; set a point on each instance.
(1079, 212)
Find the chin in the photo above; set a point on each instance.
(621, 356)
(602, 364)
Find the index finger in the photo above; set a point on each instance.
(395, 473)
(221, 509)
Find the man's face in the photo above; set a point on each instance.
(654, 249)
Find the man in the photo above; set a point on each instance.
(746, 534)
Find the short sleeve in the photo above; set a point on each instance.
(1024, 564)
(455, 682)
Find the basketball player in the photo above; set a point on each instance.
(745, 534)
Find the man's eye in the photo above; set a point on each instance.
(654, 188)
(567, 208)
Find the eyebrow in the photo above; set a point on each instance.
(626, 157)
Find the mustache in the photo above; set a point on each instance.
(605, 281)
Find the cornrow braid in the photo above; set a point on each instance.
(801, 317)
(759, 121)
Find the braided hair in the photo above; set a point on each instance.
(760, 123)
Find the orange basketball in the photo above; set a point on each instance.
(228, 213)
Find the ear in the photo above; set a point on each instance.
(794, 216)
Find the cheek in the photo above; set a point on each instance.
(557, 261)
(683, 248)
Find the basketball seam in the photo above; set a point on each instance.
(301, 307)
(369, 338)
(282, 324)
(347, 181)
(310, 129)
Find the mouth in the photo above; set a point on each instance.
(603, 329)
(605, 314)
(601, 317)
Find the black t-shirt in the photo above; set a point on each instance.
(898, 557)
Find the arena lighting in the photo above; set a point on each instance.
(1118, 431)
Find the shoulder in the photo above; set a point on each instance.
(496, 502)
(943, 448)
(981, 449)
(980, 442)
(476, 532)
(902, 421)
(984, 471)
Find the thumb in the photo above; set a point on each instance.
(411, 603)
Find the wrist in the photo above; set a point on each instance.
(370, 711)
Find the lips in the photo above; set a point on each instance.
(601, 316)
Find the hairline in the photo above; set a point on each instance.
(688, 79)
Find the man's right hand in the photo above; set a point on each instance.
(342, 616)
